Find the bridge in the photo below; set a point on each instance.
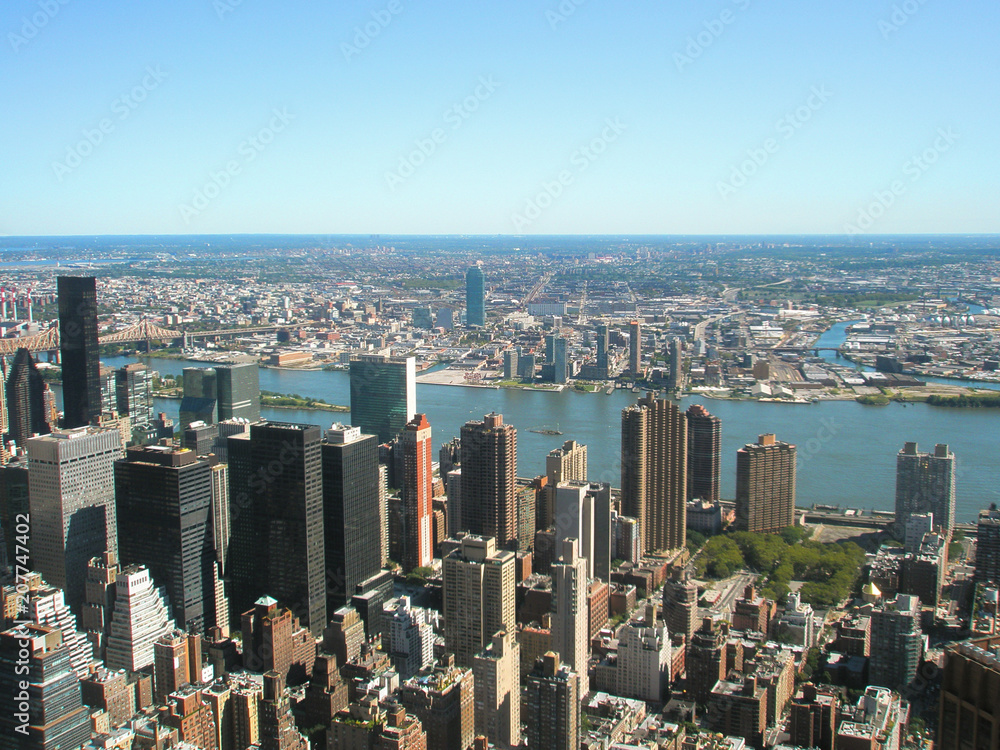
(48, 340)
(804, 349)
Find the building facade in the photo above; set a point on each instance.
(765, 486)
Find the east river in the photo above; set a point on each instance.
(846, 451)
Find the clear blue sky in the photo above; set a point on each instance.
(672, 160)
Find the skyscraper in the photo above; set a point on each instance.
(164, 501)
(72, 500)
(988, 546)
(78, 349)
(489, 473)
(676, 364)
(276, 497)
(925, 483)
(277, 726)
(34, 663)
(560, 361)
(634, 348)
(704, 453)
(134, 393)
(552, 705)
(566, 464)
(497, 674)
(569, 607)
(201, 396)
(140, 617)
(351, 514)
(478, 596)
(654, 471)
(238, 388)
(383, 394)
(765, 486)
(25, 402)
(416, 493)
(897, 643)
(602, 351)
(475, 297)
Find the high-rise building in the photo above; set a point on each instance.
(566, 464)
(41, 692)
(238, 389)
(497, 672)
(676, 364)
(510, 360)
(276, 546)
(72, 501)
(442, 699)
(273, 640)
(383, 394)
(583, 512)
(552, 705)
(814, 717)
(201, 396)
(25, 403)
(654, 471)
(99, 601)
(704, 453)
(479, 592)
(644, 659)
(489, 479)
(765, 486)
(416, 492)
(351, 512)
(560, 360)
(165, 522)
(191, 716)
(570, 626)
(925, 483)
(277, 726)
(602, 351)
(680, 607)
(411, 641)
(79, 349)
(634, 349)
(705, 658)
(475, 297)
(47, 607)
(897, 642)
(134, 393)
(140, 617)
(171, 666)
(988, 546)
(970, 704)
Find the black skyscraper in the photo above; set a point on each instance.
(164, 506)
(704, 454)
(276, 507)
(25, 403)
(78, 349)
(351, 518)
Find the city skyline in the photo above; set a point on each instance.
(729, 117)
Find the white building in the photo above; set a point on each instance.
(644, 657)
(139, 618)
(798, 621)
(411, 637)
(496, 674)
(570, 614)
(47, 607)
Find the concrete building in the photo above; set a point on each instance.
(411, 641)
(489, 479)
(443, 699)
(704, 454)
(988, 546)
(551, 712)
(634, 349)
(72, 501)
(925, 483)
(497, 673)
(876, 721)
(644, 659)
(970, 695)
(765, 486)
(570, 614)
(416, 493)
(478, 596)
(654, 472)
(140, 617)
(565, 464)
(897, 642)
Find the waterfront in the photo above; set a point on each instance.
(847, 451)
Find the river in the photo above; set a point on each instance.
(846, 451)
